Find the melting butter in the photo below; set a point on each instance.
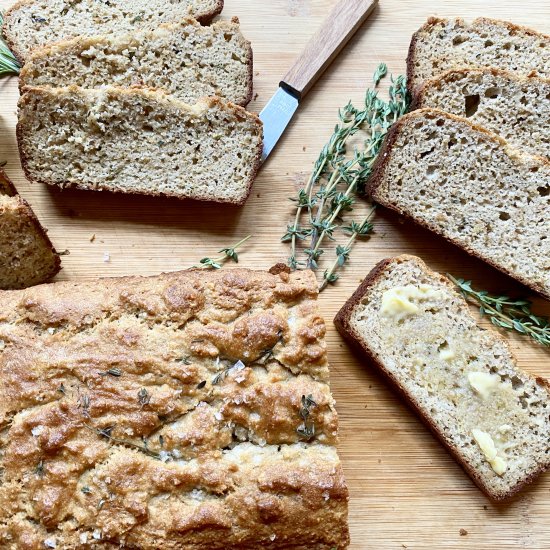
(401, 301)
(483, 383)
(487, 446)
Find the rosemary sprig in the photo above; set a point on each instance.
(336, 179)
(8, 62)
(229, 253)
(107, 434)
(506, 313)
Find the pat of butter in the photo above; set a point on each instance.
(487, 446)
(447, 354)
(400, 301)
(483, 383)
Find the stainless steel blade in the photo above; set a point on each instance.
(276, 115)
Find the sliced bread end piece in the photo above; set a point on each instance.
(31, 24)
(442, 44)
(510, 105)
(27, 255)
(185, 59)
(466, 184)
(139, 141)
(462, 380)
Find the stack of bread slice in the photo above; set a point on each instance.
(135, 97)
(472, 163)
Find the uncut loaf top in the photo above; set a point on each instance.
(168, 412)
(442, 44)
(33, 23)
(185, 59)
(27, 256)
(138, 141)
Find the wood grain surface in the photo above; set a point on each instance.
(406, 492)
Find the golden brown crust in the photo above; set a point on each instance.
(344, 327)
(160, 96)
(125, 407)
(27, 212)
(379, 168)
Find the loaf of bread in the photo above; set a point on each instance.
(516, 108)
(442, 44)
(185, 59)
(461, 379)
(27, 256)
(138, 141)
(188, 410)
(33, 23)
(466, 184)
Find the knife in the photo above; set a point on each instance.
(342, 23)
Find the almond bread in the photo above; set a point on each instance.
(185, 59)
(462, 380)
(466, 184)
(514, 107)
(442, 44)
(138, 141)
(168, 412)
(27, 255)
(34, 23)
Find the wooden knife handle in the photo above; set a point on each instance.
(342, 23)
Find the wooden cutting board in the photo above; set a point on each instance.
(406, 492)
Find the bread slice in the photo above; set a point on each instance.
(27, 256)
(442, 44)
(185, 59)
(516, 108)
(466, 184)
(138, 141)
(33, 23)
(168, 413)
(462, 380)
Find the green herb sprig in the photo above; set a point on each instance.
(229, 253)
(337, 179)
(307, 429)
(507, 313)
(8, 62)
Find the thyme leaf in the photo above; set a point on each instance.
(8, 62)
(229, 253)
(507, 313)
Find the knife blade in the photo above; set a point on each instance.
(336, 31)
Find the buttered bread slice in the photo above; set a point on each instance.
(140, 141)
(462, 380)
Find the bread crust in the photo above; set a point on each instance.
(418, 97)
(433, 21)
(342, 323)
(26, 210)
(160, 96)
(379, 168)
(204, 19)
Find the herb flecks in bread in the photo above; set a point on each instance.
(443, 44)
(120, 430)
(139, 141)
(30, 24)
(462, 380)
(466, 184)
(185, 59)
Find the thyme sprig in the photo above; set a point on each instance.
(507, 313)
(229, 253)
(337, 179)
(306, 430)
(8, 62)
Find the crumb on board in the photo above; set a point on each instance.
(92, 238)
(255, 97)
(106, 257)
(65, 252)
(304, 148)
(463, 532)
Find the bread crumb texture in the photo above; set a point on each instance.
(470, 187)
(163, 412)
(33, 23)
(139, 141)
(27, 256)
(185, 59)
(514, 107)
(462, 379)
(442, 44)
